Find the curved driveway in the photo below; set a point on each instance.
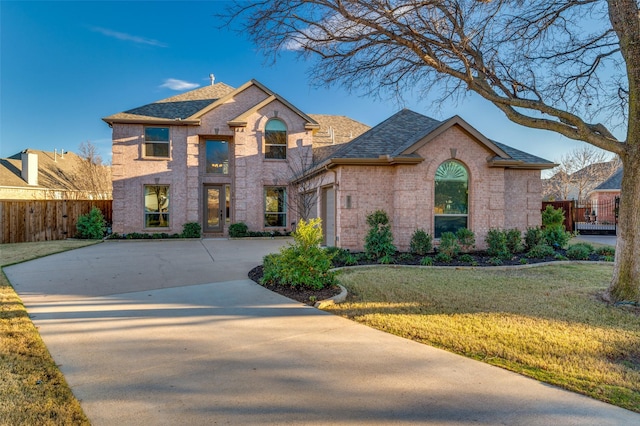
(172, 332)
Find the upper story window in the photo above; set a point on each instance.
(156, 142)
(275, 140)
(451, 207)
(217, 157)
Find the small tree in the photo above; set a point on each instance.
(379, 239)
(92, 225)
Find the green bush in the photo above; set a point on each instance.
(497, 244)
(92, 225)
(466, 239)
(467, 258)
(552, 218)
(379, 239)
(533, 237)
(449, 245)
(303, 263)
(421, 242)
(580, 251)
(191, 230)
(495, 261)
(443, 257)
(557, 237)
(238, 230)
(426, 261)
(540, 251)
(606, 251)
(386, 260)
(514, 240)
(405, 257)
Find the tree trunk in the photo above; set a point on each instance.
(625, 285)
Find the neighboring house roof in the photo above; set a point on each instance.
(189, 107)
(334, 131)
(397, 139)
(614, 183)
(56, 171)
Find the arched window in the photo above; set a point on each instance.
(451, 207)
(275, 140)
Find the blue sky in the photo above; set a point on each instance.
(65, 65)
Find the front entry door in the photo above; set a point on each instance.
(213, 208)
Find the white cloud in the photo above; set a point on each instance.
(128, 37)
(175, 84)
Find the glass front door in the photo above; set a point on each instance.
(213, 208)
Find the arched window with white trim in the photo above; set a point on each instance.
(451, 198)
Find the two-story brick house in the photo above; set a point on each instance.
(218, 155)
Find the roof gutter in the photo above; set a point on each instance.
(164, 121)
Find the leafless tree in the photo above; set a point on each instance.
(90, 174)
(302, 198)
(562, 65)
(579, 172)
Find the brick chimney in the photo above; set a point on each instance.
(30, 168)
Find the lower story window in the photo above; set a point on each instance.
(275, 207)
(156, 206)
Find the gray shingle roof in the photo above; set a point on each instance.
(613, 183)
(181, 106)
(390, 137)
(400, 132)
(521, 155)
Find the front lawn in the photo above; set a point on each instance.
(33, 391)
(545, 322)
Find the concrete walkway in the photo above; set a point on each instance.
(172, 332)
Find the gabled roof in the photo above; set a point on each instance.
(189, 107)
(614, 183)
(175, 108)
(397, 139)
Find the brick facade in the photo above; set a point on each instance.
(504, 190)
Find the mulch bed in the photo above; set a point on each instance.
(303, 295)
(479, 259)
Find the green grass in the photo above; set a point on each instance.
(33, 391)
(547, 322)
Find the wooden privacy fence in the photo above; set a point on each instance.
(24, 221)
(568, 206)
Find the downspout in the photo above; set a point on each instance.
(335, 204)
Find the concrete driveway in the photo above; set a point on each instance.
(172, 332)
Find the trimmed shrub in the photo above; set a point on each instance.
(514, 240)
(303, 263)
(497, 244)
(533, 237)
(426, 261)
(557, 237)
(467, 258)
(379, 239)
(238, 230)
(580, 251)
(421, 242)
(92, 225)
(606, 251)
(466, 239)
(191, 230)
(443, 257)
(448, 245)
(540, 251)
